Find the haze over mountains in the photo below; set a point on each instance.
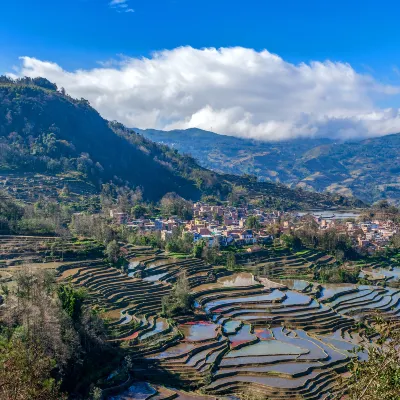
(367, 169)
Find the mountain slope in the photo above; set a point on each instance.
(268, 160)
(369, 169)
(43, 130)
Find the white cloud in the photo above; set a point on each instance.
(235, 91)
(121, 6)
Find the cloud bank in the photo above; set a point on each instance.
(235, 91)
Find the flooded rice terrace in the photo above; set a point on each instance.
(332, 214)
(278, 338)
(282, 341)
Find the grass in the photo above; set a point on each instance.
(302, 252)
(179, 255)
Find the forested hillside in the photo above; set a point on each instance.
(367, 169)
(43, 130)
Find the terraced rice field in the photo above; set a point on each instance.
(278, 262)
(276, 339)
(16, 250)
(384, 270)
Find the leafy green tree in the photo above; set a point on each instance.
(252, 222)
(172, 204)
(198, 248)
(71, 300)
(179, 301)
(113, 251)
(231, 261)
(138, 211)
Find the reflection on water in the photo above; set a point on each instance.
(264, 333)
(238, 280)
(330, 290)
(267, 348)
(332, 214)
(393, 273)
(160, 326)
(154, 278)
(138, 391)
(242, 336)
(275, 295)
(198, 331)
(231, 326)
(295, 284)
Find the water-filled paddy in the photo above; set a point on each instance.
(275, 295)
(267, 348)
(244, 335)
(330, 290)
(138, 391)
(198, 331)
(175, 351)
(153, 278)
(231, 326)
(126, 318)
(160, 326)
(242, 279)
(392, 273)
(295, 284)
(263, 333)
(295, 298)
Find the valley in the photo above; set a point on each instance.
(366, 169)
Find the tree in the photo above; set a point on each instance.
(113, 251)
(252, 222)
(395, 241)
(379, 376)
(48, 339)
(138, 211)
(231, 261)
(172, 204)
(179, 301)
(71, 300)
(198, 248)
(25, 371)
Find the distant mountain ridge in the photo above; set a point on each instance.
(367, 169)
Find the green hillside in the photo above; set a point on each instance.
(45, 131)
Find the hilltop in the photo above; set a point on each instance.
(367, 169)
(46, 132)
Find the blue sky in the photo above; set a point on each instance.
(77, 33)
(80, 34)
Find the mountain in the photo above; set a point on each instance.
(227, 154)
(47, 132)
(43, 130)
(367, 169)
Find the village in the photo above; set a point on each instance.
(250, 226)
